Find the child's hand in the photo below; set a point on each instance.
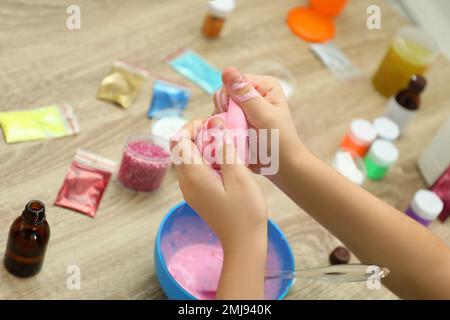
(266, 110)
(233, 206)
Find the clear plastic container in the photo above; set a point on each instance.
(274, 69)
(411, 52)
(145, 161)
(350, 166)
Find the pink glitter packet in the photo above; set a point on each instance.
(144, 163)
(85, 183)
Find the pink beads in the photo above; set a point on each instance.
(144, 163)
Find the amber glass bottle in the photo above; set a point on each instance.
(218, 10)
(27, 241)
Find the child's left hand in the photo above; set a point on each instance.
(233, 206)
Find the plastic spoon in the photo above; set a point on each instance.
(335, 273)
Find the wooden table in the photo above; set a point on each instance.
(44, 63)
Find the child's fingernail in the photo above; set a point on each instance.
(237, 81)
(216, 123)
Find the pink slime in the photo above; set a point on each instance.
(198, 266)
(235, 122)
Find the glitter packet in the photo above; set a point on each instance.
(196, 69)
(168, 98)
(123, 83)
(85, 183)
(36, 124)
(336, 61)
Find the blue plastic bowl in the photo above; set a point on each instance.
(171, 288)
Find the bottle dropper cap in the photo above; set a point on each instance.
(417, 84)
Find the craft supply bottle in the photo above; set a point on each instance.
(27, 241)
(402, 107)
(218, 10)
(382, 154)
(359, 137)
(145, 162)
(412, 51)
(425, 207)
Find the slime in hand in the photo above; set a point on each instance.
(235, 124)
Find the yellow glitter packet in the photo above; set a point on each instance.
(37, 124)
(123, 83)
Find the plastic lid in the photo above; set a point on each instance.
(167, 127)
(416, 45)
(427, 204)
(386, 128)
(221, 8)
(346, 165)
(383, 152)
(309, 25)
(362, 131)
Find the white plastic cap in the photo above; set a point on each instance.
(383, 152)
(344, 163)
(221, 8)
(386, 128)
(426, 204)
(166, 127)
(362, 131)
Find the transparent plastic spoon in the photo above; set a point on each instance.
(334, 273)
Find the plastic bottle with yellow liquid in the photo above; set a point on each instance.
(411, 52)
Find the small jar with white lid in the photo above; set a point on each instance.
(381, 156)
(425, 207)
(360, 135)
(386, 129)
(218, 10)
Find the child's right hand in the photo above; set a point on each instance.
(267, 110)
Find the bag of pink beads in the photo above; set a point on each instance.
(145, 161)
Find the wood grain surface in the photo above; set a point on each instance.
(42, 63)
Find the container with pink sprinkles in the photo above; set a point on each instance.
(145, 161)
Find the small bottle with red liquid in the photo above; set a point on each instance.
(27, 242)
(145, 161)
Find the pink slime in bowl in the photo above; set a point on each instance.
(194, 258)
